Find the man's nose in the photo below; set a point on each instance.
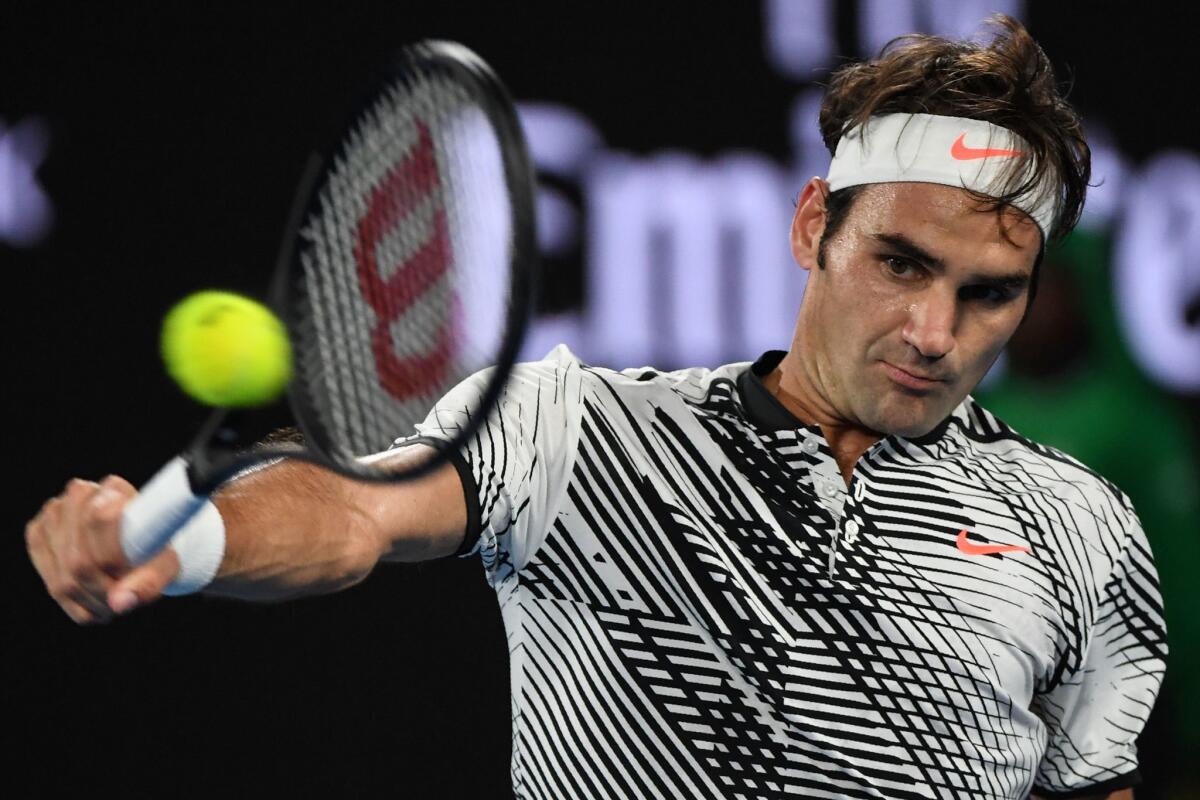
(931, 324)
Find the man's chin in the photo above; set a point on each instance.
(916, 431)
(906, 426)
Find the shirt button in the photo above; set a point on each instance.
(809, 446)
(830, 490)
(851, 528)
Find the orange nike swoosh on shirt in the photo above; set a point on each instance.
(960, 152)
(972, 549)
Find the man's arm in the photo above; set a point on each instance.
(291, 529)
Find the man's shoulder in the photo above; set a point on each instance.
(692, 383)
(1017, 463)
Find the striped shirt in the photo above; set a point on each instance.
(698, 605)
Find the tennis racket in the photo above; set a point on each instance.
(407, 265)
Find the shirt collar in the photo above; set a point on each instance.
(766, 412)
(763, 408)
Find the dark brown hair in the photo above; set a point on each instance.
(1007, 81)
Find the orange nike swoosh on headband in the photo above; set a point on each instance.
(972, 549)
(960, 152)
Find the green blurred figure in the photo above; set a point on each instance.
(1072, 384)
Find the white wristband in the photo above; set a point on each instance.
(200, 545)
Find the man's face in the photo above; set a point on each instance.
(919, 293)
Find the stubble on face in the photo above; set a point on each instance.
(919, 293)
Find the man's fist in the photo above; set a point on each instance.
(75, 544)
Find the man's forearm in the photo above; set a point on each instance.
(292, 529)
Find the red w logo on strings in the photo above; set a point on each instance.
(406, 185)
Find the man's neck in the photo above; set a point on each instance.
(792, 386)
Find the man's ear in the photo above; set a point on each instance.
(809, 222)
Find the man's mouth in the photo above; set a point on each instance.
(911, 380)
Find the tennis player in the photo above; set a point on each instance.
(826, 573)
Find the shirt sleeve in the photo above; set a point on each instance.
(516, 466)
(1096, 713)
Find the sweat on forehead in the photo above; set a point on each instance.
(953, 151)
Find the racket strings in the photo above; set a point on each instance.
(405, 263)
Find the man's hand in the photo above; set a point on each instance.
(74, 542)
(291, 530)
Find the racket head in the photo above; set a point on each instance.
(407, 265)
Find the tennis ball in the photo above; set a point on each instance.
(226, 350)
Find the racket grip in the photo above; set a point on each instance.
(167, 512)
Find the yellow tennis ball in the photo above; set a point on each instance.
(226, 350)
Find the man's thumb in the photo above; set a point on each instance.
(145, 583)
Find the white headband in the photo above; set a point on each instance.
(923, 148)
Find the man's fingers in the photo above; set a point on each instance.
(74, 544)
(74, 495)
(39, 549)
(101, 517)
(84, 604)
(82, 615)
(144, 584)
(57, 584)
(119, 485)
(97, 608)
(81, 578)
(78, 581)
(81, 605)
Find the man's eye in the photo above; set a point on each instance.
(991, 295)
(900, 267)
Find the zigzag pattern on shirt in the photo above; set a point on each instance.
(696, 622)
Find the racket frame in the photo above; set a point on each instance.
(209, 467)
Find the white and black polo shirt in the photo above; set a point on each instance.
(698, 606)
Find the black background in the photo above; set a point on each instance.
(177, 135)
